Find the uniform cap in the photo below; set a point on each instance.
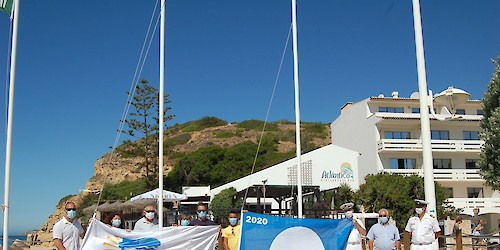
(347, 206)
(421, 203)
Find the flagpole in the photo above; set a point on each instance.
(10, 117)
(297, 107)
(161, 119)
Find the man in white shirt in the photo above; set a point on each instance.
(149, 221)
(68, 231)
(423, 228)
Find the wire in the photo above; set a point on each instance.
(267, 114)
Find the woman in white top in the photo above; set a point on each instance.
(354, 240)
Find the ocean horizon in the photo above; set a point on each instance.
(12, 238)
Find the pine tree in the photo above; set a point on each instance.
(490, 125)
(143, 125)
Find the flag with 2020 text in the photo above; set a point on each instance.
(261, 231)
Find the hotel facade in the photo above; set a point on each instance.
(386, 132)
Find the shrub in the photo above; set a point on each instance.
(257, 125)
(178, 140)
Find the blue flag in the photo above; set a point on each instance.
(261, 231)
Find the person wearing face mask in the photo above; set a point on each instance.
(232, 232)
(202, 220)
(383, 235)
(149, 221)
(354, 239)
(423, 228)
(68, 231)
(115, 220)
(185, 220)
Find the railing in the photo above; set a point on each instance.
(415, 145)
(475, 202)
(442, 174)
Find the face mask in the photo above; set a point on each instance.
(184, 222)
(384, 220)
(233, 221)
(71, 214)
(348, 214)
(116, 223)
(419, 210)
(202, 214)
(150, 215)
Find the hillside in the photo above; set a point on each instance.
(188, 140)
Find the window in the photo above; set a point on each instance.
(471, 164)
(403, 163)
(391, 109)
(460, 112)
(471, 135)
(480, 112)
(475, 193)
(449, 192)
(415, 110)
(440, 135)
(396, 135)
(441, 163)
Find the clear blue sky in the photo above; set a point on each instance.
(76, 60)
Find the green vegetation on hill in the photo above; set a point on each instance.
(197, 125)
(257, 125)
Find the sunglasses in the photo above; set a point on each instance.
(382, 216)
(202, 211)
(150, 211)
(71, 209)
(232, 230)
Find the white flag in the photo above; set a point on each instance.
(100, 236)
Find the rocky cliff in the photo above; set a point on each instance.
(112, 168)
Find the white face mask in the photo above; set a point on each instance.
(150, 215)
(419, 210)
(348, 214)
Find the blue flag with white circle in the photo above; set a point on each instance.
(260, 231)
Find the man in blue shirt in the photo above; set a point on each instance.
(383, 235)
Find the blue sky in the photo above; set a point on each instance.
(76, 61)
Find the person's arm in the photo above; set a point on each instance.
(436, 234)
(226, 244)
(58, 244)
(370, 244)
(361, 230)
(398, 245)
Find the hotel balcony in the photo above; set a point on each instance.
(415, 145)
(442, 174)
(485, 205)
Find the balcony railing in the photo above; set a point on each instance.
(442, 174)
(415, 145)
(485, 205)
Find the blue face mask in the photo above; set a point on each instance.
(202, 214)
(384, 220)
(233, 221)
(116, 223)
(184, 222)
(71, 214)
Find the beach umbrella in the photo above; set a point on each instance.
(90, 209)
(155, 194)
(103, 206)
(115, 206)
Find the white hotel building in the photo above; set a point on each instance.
(386, 133)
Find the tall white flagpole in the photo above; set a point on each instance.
(429, 188)
(10, 117)
(297, 107)
(161, 118)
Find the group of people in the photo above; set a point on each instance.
(68, 231)
(423, 229)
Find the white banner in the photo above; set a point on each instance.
(100, 236)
